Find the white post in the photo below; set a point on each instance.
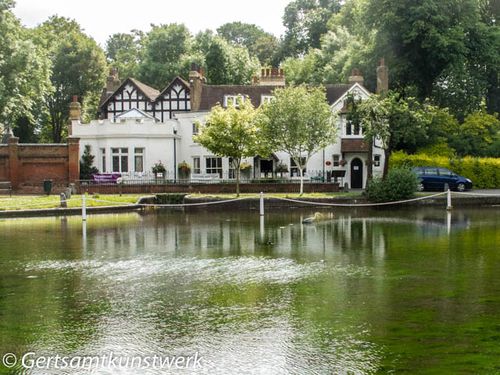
(448, 204)
(84, 208)
(261, 204)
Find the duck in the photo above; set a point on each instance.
(309, 220)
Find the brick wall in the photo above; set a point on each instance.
(214, 188)
(26, 166)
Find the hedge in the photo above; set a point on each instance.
(484, 172)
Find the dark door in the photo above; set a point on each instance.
(356, 174)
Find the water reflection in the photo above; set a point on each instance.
(364, 291)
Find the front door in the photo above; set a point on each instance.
(356, 174)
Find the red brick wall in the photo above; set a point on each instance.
(26, 166)
(215, 188)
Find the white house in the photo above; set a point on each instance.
(141, 126)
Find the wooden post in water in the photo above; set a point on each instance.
(84, 208)
(261, 204)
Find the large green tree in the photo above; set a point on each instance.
(305, 22)
(228, 64)
(298, 121)
(78, 68)
(233, 132)
(259, 43)
(165, 54)
(123, 51)
(24, 73)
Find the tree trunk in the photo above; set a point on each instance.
(237, 170)
(301, 179)
(387, 155)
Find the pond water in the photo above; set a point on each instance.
(360, 292)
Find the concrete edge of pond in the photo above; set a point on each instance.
(253, 204)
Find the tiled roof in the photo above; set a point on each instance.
(213, 94)
(334, 92)
(150, 92)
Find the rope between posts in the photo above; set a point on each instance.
(173, 204)
(361, 204)
(475, 194)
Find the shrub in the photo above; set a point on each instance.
(400, 184)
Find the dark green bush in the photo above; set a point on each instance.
(169, 198)
(400, 184)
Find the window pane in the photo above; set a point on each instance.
(116, 164)
(139, 167)
(124, 160)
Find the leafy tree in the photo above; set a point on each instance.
(24, 73)
(477, 134)
(165, 49)
(78, 68)
(298, 121)
(87, 168)
(305, 22)
(123, 52)
(227, 64)
(258, 42)
(232, 132)
(400, 124)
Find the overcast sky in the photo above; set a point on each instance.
(101, 18)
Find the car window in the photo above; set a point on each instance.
(418, 171)
(445, 172)
(431, 172)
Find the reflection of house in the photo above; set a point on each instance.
(140, 126)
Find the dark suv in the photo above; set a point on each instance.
(434, 178)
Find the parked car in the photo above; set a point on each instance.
(434, 178)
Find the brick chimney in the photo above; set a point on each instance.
(113, 81)
(75, 113)
(356, 77)
(196, 81)
(270, 77)
(382, 77)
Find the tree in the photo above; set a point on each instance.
(298, 121)
(400, 124)
(78, 68)
(233, 132)
(164, 52)
(123, 52)
(87, 168)
(477, 134)
(227, 64)
(259, 43)
(24, 72)
(305, 22)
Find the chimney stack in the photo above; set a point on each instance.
(196, 81)
(382, 78)
(113, 81)
(356, 77)
(270, 77)
(75, 113)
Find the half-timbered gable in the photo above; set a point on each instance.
(131, 94)
(174, 98)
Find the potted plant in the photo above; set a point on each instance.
(245, 169)
(281, 168)
(184, 170)
(159, 170)
(342, 163)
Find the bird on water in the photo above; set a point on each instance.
(309, 220)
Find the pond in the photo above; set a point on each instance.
(359, 292)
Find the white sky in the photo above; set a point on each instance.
(101, 18)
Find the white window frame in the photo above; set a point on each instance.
(213, 169)
(103, 159)
(264, 99)
(229, 99)
(377, 160)
(141, 155)
(336, 160)
(294, 169)
(122, 155)
(196, 165)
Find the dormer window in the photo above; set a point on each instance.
(264, 99)
(233, 100)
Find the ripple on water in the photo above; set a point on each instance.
(230, 270)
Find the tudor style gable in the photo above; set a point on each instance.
(131, 94)
(174, 98)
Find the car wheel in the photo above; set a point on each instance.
(461, 187)
(420, 187)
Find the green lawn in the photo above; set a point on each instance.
(281, 195)
(33, 202)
